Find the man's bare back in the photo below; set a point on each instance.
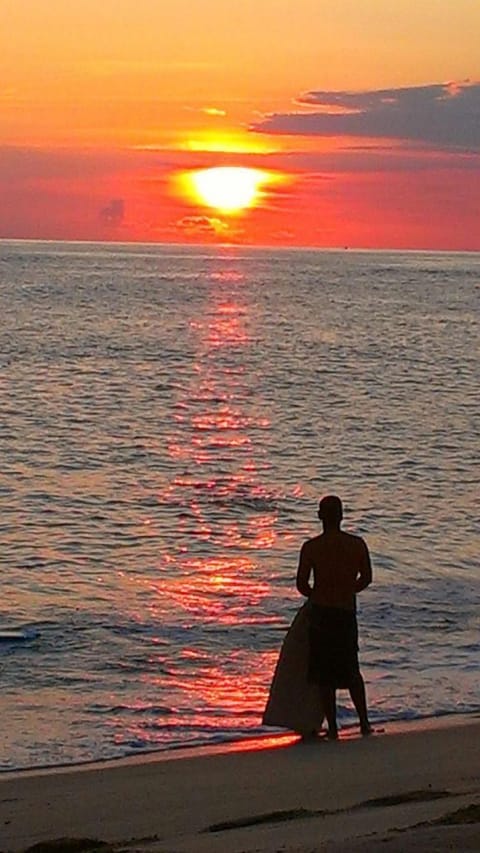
(341, 567)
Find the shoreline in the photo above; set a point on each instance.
(276, 739)
(401, 785)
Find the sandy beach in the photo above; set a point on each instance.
(416, 787)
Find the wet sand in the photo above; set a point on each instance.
(408, 788)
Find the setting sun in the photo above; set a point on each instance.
(227, 189)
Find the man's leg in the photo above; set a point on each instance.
(327, 695)
(359, 699)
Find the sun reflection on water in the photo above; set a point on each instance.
(226, 515)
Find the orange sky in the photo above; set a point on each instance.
(102, 105)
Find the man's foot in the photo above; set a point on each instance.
(366, 729)
(332, 734)
(307, 737)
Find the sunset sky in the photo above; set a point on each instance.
(361, 119)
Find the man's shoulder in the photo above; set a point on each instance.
(354, 539)
(311, 543)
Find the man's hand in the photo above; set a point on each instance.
(303, 572)
(364, 577)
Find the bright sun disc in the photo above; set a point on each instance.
(228, 188)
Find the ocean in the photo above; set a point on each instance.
(170, 416)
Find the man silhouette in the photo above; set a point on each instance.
(341, 568)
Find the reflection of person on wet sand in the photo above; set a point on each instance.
(341, 568)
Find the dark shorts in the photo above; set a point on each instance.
(333, 637)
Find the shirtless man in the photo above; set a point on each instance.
(341, 568)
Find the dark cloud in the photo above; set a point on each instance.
(445, 115)
(202, 225)
(365, 159)
(114, 212)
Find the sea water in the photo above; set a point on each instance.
(169, 418)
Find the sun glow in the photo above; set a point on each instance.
(227, 189)
(228, 142)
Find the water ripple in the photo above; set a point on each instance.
(170, 417)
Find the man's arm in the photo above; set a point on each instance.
(303, 572)
(364, 577)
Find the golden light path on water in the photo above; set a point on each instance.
(219, 588)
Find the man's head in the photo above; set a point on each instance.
(330, 511)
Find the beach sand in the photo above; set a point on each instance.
(416, 788)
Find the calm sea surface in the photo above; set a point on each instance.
(169, 418)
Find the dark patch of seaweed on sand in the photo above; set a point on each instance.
(421, 796)
(70, 845)
(468, 814)
(403, 799)
(86, 845)
(460, 817)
